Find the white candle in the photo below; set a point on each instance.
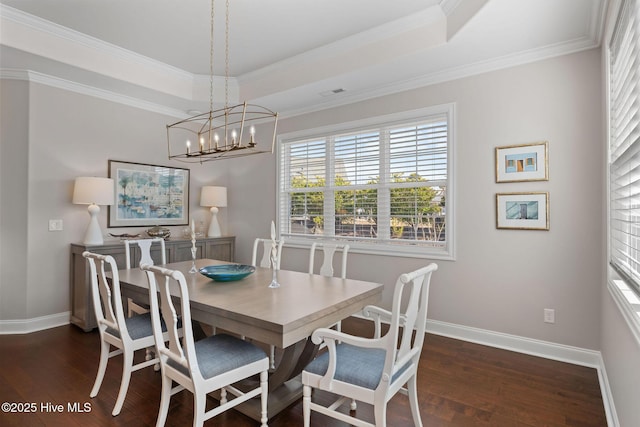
(188, 146)
(273, 231)
(193, 225)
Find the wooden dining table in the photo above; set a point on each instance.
(284, 316)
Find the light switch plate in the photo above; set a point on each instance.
(55, 225)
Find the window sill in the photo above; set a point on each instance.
(445, 254)
(628, 303)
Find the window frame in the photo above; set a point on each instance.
(446, 252)
(624, 290)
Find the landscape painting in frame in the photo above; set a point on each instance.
(528, 162)
(522, 211)
(148, 195)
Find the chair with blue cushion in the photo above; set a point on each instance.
(329, 250)
(145, 258)
(127, 334)
(373, 370)
(265, 262)
(213, 363)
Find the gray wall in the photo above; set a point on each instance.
(502, 279)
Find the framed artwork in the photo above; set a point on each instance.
(148, 195)
(522, 211)
(528, 162)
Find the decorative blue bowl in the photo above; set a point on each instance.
(227, 272)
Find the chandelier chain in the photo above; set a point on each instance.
(211, 58)
(226, 58)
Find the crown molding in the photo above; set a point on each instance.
(450, 74)
(68, 85)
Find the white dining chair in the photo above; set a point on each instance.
(329, 250)
(136, 307)
(373, 370)
(212, 363)
(127, 334)
(145, 258)
(265, 262)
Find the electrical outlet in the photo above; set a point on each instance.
(55, 225)
(549, 315)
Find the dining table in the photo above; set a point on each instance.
(283, 316)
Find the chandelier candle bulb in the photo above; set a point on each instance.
(188, 147)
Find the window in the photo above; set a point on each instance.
(624, 144)
(383, 185)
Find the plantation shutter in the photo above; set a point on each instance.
(624, 149)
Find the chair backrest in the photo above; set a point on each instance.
(105, 294)
(329, 249)
(145, 250)
(180, 356)
(265, 261)
(412, 319)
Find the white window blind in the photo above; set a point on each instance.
(624, 143)
(382, 184)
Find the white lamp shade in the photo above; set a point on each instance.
(93, 190)
(213, 196)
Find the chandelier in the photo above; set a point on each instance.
(226, 132)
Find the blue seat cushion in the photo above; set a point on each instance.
(139, 326)
(355, 365)
(222, 353)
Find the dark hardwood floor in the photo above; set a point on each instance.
(460, 384)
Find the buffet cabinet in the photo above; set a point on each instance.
(82, 315)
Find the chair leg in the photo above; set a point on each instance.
(199, 408)
(353, 406)
(264, 386)
(102, 368)
(306, 405)
(127, 362)
(380, 414)
(272, 357)
(165, 397)
(412, 389)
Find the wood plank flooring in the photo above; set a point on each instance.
(459, 383)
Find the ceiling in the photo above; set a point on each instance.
(292, 56)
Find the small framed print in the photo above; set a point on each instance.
(517, 163)
(522, 211)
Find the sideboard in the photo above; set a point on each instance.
(82, 315)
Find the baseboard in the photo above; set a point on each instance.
(548, 350)
(26, 326)
(545, 349)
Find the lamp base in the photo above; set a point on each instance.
(214, 227)
(93, 236)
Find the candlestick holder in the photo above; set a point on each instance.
(274, 265)
(194, 251)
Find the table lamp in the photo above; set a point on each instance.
(214, 197)
(93, 191)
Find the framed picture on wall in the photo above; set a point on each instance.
(148, 195)
(528, 162)
(522, 211)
